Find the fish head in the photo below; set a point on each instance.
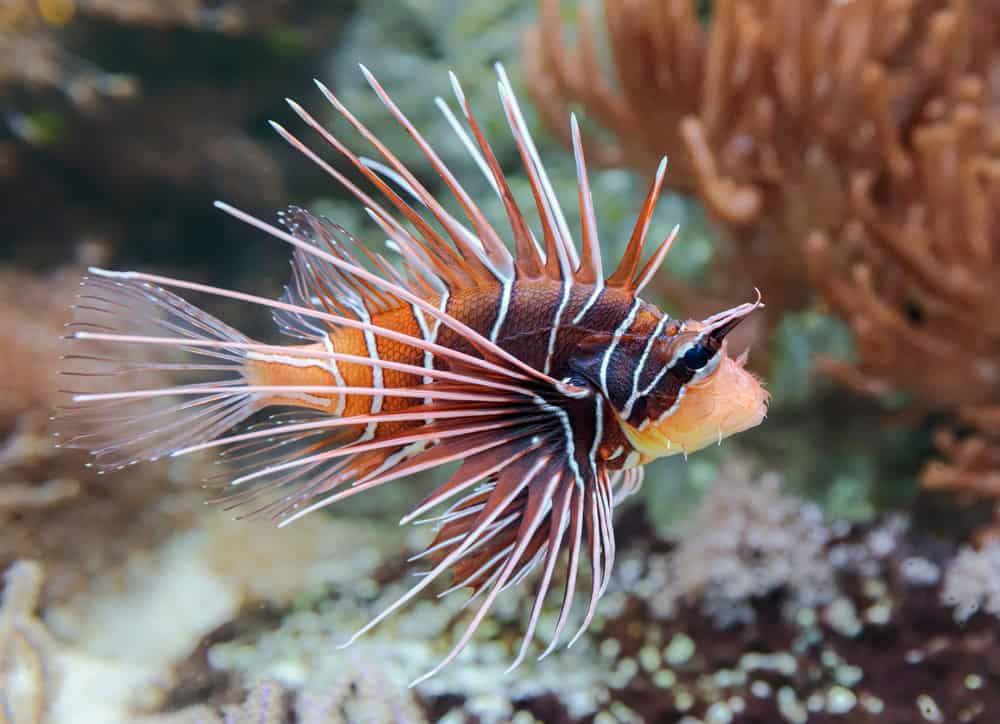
(695, 394)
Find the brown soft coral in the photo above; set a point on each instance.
(971, 468)
(915, 269)
(767, 112)
(922, 247)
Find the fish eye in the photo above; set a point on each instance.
(696, 357)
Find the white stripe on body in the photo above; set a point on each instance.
(619, 333)
(566, 288)
(598, 288)
(506, 290)
(641, 365)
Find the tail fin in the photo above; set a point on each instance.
(147, 372)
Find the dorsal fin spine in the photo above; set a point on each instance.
(624, 275)
(591, 269)
(527, 262)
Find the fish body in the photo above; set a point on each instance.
(524, 324)
(549, 380)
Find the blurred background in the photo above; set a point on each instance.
(838, 563)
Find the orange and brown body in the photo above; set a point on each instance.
(549, 380)
(528, 330)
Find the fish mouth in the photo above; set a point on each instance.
(721, 324)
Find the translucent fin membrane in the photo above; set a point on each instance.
(123, 431)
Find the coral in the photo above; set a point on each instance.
(359, 693)
(264, 704)
(971, 465)
(658, 51)
(914, 271)
(370, 678)
(922, 257)
(972, 582)
(29, 675)
(769, 110)
(745, 541)
(880, 646)
(52, 508)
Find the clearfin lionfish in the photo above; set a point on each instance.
(550, 381)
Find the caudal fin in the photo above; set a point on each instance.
(147, 373)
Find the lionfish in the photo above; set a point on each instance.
(549, 381)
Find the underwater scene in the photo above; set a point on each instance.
(484, 361)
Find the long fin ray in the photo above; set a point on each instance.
(557, 530)
(624, 274)
(527, 260)
(474, 338)
(447, 262)
(530, 520)
(563, 235)
(591, 269)
(122, 431)
(455, 554)
(495, 249)
(312, 313)
(559, 261)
